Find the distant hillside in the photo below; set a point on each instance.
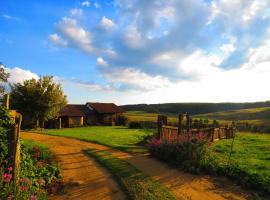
(243, 114)
(193, 108)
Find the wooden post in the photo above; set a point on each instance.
(13, 136)
(7, 101)
(180, 119)
(60, 123)
(162, 120)
(188, 122)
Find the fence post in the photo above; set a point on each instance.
(180, 118)
(13, 135)
(188, 122)
(162, 120)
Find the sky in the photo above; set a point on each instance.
(138, 51)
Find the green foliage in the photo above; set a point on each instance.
(136, 185)
(116, 137)
(37, 172)
(188, 153)
(121, 120)
(38, 99)
(3, 78)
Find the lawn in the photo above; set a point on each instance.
(116, 137)
(251, 151)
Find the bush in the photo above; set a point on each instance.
(142, 125)
(188, 151)
(121, 120)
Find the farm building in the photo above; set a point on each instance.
(89, 114)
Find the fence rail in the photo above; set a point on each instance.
(173, 133)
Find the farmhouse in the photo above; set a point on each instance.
(73, 115)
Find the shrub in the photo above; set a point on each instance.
(142, 125)
(188, 151)
(121, 120)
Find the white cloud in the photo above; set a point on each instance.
(86, 4)
(76, 12)
(76, 34)
(101, 62)
(133, 37)
(18, 75)
(56, 39)
(106, 23)
(6, 16)
(133, 79)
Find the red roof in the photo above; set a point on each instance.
(77, 110)
(103, 108)
(73, 110)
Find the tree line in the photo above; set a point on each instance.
(192, 108)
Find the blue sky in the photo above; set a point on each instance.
(137, 51)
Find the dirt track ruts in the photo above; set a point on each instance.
(86, 180)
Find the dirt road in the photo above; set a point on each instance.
(85, 179)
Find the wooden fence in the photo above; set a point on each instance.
(173, 133)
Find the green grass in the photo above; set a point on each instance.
(136, 185)
(251, 152)
(149, 117)
(117, 137)
(29, 144)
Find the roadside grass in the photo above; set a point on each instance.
(30, 144)
(117, 137)
(136, 185)
(250, 151)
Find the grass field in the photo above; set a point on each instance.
(254, 116)
(136, 185)
(116, 137)
(250, 151)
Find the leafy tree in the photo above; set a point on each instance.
(3, 78)
(39, 100)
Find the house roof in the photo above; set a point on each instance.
(77, 110)
(103, 108)
(73, 110)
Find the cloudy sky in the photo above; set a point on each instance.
(138, 51)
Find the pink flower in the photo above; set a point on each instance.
(40, 191)
(33, 197)
(25, 180)
(7, 177)
(41, 181)
(10, 197)
(24, 188)
(9, 168)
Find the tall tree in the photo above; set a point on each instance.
(40, 100)
(3, 78)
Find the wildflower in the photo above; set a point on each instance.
(24, 188)
(41, 181)
(9, 168)
(40, 191)
(7, 177)
(33, 197)
(25, 180)
(10, 197)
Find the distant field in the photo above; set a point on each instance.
(144, 116)
(116, 137)
(251, 151)
(254, 116)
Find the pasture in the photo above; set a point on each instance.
(117, 137)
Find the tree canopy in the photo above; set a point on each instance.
(40, 100)
(3, 78)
